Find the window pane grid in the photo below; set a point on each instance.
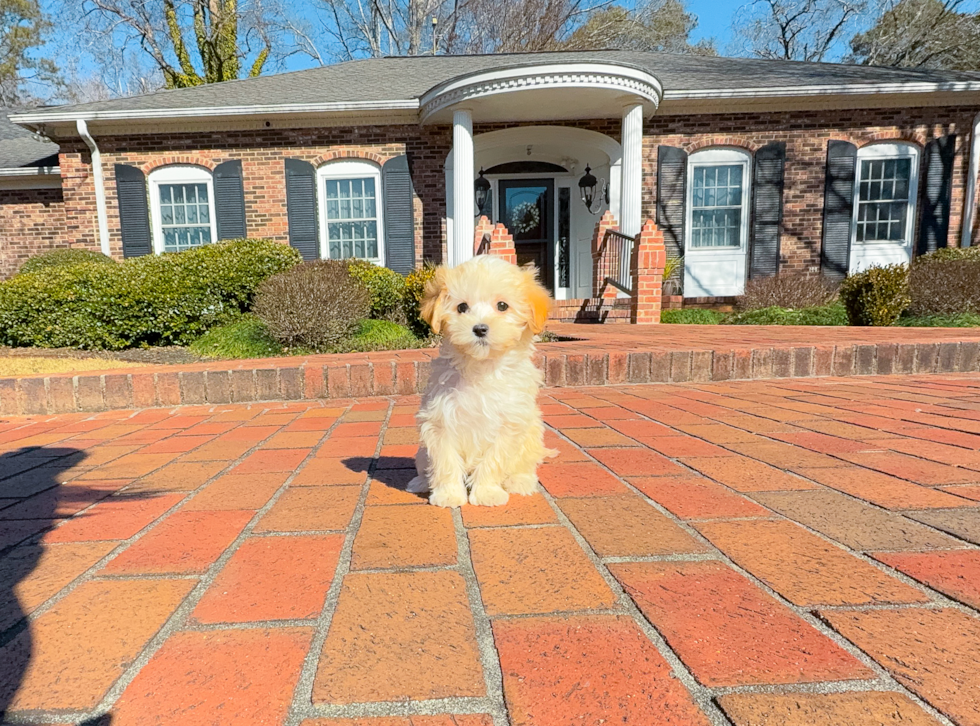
(352, 218)
(185, 216)
(883, 200)
(716, 209)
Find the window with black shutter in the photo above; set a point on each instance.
(838, 208)
(301, 210)
(767, 209)
(229, 200)
(672, 197)
(399, 215)
(134, 214)
(937, 189)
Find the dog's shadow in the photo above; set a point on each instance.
(394, 472)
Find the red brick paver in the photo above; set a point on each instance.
(796, 552)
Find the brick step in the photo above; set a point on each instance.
(592, 310)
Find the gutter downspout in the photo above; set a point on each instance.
(971, 181)
(99, 184)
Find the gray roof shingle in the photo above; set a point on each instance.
(18, 147)
(408, 78)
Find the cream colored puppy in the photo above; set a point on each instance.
(479, 422)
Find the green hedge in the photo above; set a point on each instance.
(167, 299)
(62, 258)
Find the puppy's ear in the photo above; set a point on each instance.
(538, 300)
(432, 299)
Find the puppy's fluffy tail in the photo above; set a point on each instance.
(551, 453)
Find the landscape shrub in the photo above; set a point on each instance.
(62, 258)
(945, 282)
(955, 320)
(832, 314)
(169, 299)
(691, 316)
(412, 300)
(793, 291)
(876, 296)
(315, 305)
(378, 335)
(245, 337)
(385, 286)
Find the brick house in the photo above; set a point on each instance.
(749, 167)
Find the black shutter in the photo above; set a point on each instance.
(672, 197)
(937, 188)
(229, 200)
(838, 207)
(134, 215)
(301, 208)
(767, 209)
(399, 212)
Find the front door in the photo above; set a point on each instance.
(527, 210)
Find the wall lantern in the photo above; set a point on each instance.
(587, 185)
(481, 191)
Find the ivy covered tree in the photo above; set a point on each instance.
(190, 42)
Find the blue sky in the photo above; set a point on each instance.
(714, 20)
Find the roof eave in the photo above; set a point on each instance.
(346, 107)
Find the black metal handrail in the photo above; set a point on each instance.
(615, 257)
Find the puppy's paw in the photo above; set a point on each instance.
(453, 496)
(521, 484)
(488, 496)
(418, 485)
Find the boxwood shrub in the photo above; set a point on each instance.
(153, 300)
(412, 300)
(386, 287)
(68, 257)
(876, 296)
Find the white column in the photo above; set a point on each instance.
(631, 190)
(463, 227)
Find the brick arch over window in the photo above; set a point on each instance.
(179, 160)
(916, 138)
(360, 154)
(740, 142)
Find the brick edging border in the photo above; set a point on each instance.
(599, 367)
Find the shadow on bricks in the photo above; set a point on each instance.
(38, 493)
(393, 472)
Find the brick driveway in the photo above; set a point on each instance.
(778, 553)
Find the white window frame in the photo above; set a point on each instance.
(892, 150)
(178, 175)
(350, 169)
(718, 157)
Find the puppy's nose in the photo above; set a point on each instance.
(481, 330)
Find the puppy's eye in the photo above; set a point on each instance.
(502, 306)
(462, 308)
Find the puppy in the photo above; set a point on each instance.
(479, 422)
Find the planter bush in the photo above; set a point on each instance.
(945, 282)
(62, 258)
(315, 305)
(876, 296)
(386, 287)
(412, 300)
(792, 291)
(153, 300)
